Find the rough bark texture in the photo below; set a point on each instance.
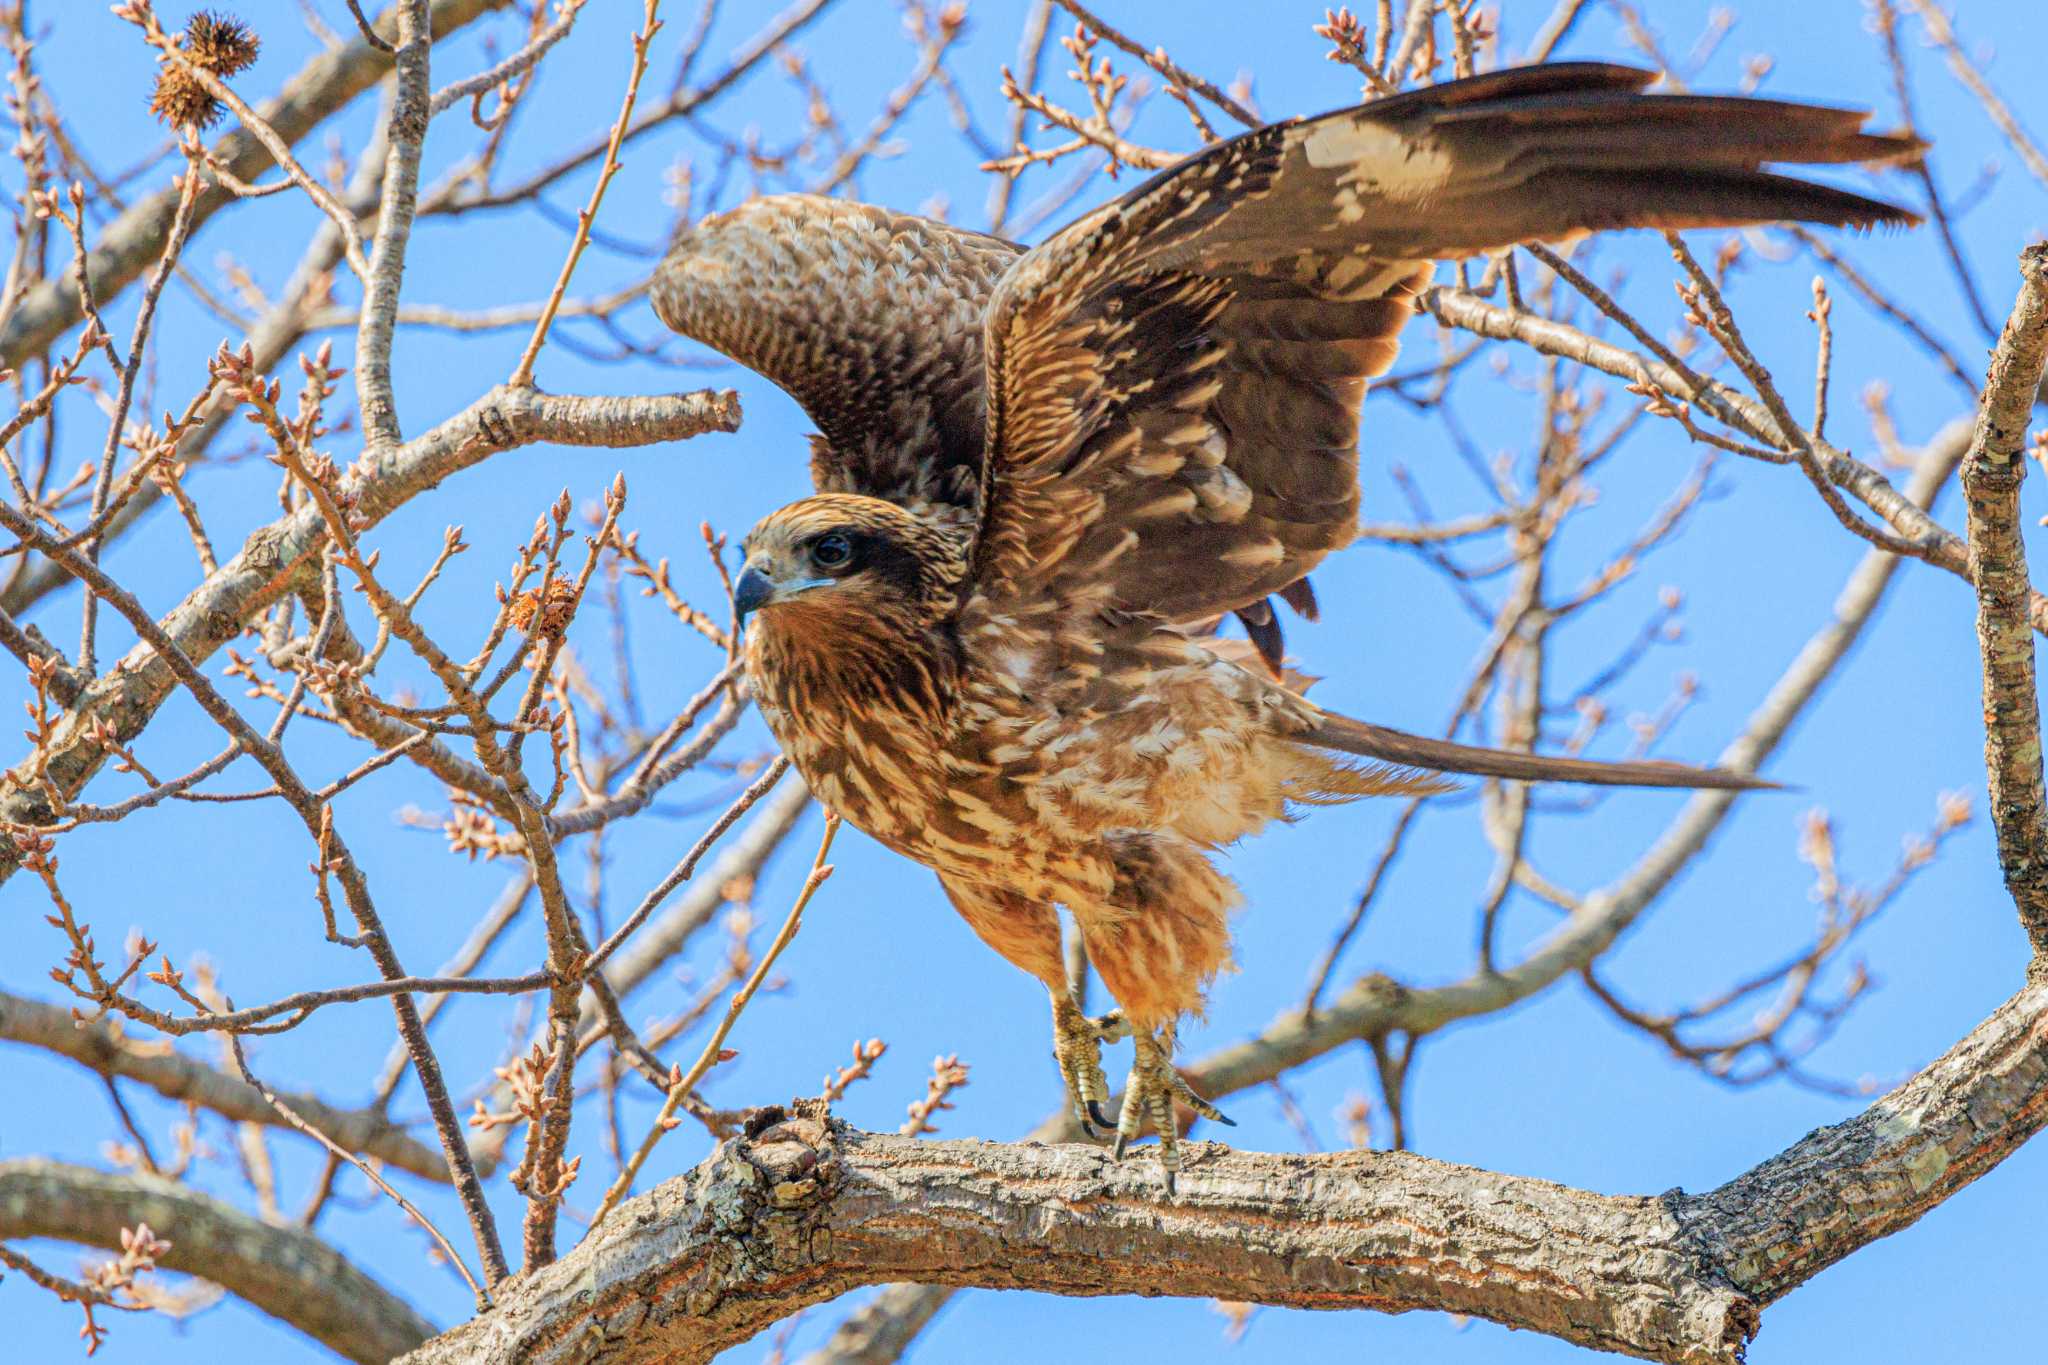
(287, 1272)
(1992, 472)
(806, 1209)
(1844, 1186)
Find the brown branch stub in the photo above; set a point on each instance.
(1992, 471)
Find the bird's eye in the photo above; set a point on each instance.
(833, 551)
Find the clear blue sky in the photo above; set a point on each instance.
(1553, 1090)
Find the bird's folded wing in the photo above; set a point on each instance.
(871, 320)
(1174, 380)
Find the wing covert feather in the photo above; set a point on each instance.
(872, 320)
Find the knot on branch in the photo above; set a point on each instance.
(2034, 262)
(1702, 1241)
(758, 1206)
(493, 426)
(1994, 476)
(791, 1149)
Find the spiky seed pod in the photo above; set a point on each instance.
(546, 610)
(217, 43)
(221, 43)
(181, 101)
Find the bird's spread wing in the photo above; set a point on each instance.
(871, 320)
(1174, 380)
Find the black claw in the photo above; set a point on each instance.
(1095, 1112)
(1171, 1188)
(1220, 1117)
(1116, 1152)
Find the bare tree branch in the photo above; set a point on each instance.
(1992, 472)
(327, 83)
(214, 613)
(396, 206)
(554, 745)
(1932, 542)
(287, 1272)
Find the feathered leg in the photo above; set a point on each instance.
(1027, 932)
(1156, 946)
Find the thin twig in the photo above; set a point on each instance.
(522, 373)
(523, 60)
(685, 869)
(369, 1172)
(370, 35)
(681, 1082)
(1165, 66)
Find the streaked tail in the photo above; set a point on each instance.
(1403, 750)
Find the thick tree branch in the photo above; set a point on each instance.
(287, 1272)
(1992, 472)
(1842, 1187)
(802, 1211)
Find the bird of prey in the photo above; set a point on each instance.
(1043, 475)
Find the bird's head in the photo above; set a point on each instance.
(841, 559)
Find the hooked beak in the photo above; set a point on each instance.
(753, 590)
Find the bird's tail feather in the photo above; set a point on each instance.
(1416, 752)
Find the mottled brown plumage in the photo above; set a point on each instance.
(1043, 473)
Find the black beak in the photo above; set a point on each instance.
(751, 591)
